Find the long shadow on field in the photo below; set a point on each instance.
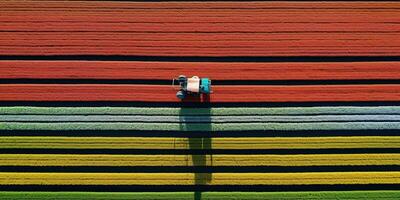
(195, 143)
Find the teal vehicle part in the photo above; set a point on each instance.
(192, 86)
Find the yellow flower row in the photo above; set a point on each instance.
(9, 178)
(199, 143)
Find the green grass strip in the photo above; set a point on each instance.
(96, 195)
(334, 195)
(197, 119)
(200, 111)
(202, 126)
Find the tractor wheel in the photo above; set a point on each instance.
(182, 78)
(180, 95)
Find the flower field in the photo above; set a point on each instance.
(305, 100)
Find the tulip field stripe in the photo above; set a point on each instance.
(54, 142)
(309, 178)
(213, 111)
(200, 28)
(198, 160)
(166, 93)
(215, 70)
(201, 127)
(123, 195)
(196, 119)
(119, 6)
(315, 195)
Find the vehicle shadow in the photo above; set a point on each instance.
(202, 145)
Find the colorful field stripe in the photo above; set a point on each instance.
(215, 70)
(165, 93)
(289, 126)
(40, 160)
(309, 178)
(198, 119)
(328, 195)
(200, 28)
(51, 142)
(212, 111)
